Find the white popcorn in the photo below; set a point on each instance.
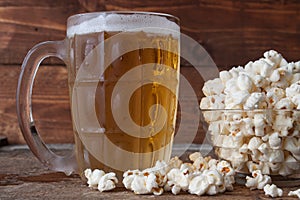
(213, 177)
(282, 124)
(247, 129)
(274, 95)
(276, 156)
(257, 181)
(275, 58)
(177, 180)
(275, 141)
(93, 177)
(243, 148)
(272, 190)
(198, 185)
(225, 76)
(98, 179)
(150, 180)
(284, 79)
(234, 140)
(256, 100)
(260, 81)
(254, 143)
(296, 68)
(291, 163)
(138, 185)
(296, 101)
(293, 90)
(213, 87)
(107, 182)
(231, 87)
(244, 82)
(284, 103)
(209, 182)
(293, 145)
(128, 177)
(252, 139)
(188, 168)
(259, 67)
(259, 122)
(275, 76)
(236, 158)
(235, 100)
(292, 67)
(213, 102)
(216, 177)
(225, 168)
(199, 162)
(295, 78)
(235, 71)
(295, 193)
(153, 184)
(265, 68)
(145, 183)
(212, 163)
(275, 167)
(284, 170)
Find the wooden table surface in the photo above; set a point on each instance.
(23, 177)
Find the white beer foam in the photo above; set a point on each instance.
(122, 22)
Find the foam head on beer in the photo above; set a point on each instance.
(123, 22)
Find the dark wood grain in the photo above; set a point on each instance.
(51, 108)
(232, 32)
(22, 176)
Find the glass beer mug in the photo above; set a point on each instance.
(123, 76)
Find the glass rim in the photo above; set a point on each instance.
(168, 16)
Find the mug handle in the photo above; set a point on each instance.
(31, 63)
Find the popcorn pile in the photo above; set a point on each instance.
(203, 176)
(253, 115)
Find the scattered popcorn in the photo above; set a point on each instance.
(263, 96)
(107, 182)
(177, 180)
(98, 179)
(295, 193)
(257, 181)
(93, 177)
(272, 190)
(203, 176)
(198, 185)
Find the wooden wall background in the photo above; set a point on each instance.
(232, 31)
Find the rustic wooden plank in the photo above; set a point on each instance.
(51, 107)
(3, 140)
(50, 104)
(23, 24)
(23, 177)
(231, 31)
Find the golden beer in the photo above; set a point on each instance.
(155, 49)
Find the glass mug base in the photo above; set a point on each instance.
(112, 160)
